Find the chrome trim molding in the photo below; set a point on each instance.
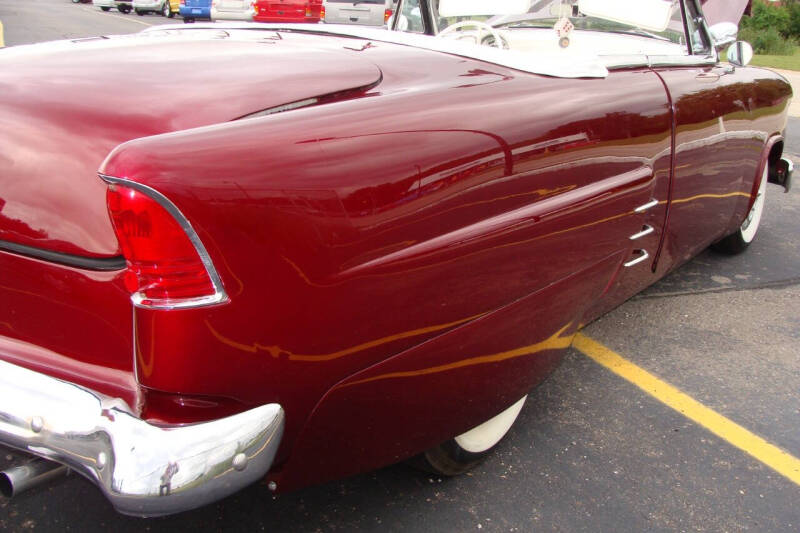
(642, 257)
(143, 470)
(282, 108)
(646, 207)
(138, 299)
(646, 230)
(618, 62)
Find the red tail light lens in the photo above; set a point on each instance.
(322, 12)
(387, 15)
(164, 266)
(308, 10)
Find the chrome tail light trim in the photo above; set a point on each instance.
(219, 295)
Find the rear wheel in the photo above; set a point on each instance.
(463, 452)
(140, 12)
(188, 20)
(738, 241)
(124, 9)
(166, 11)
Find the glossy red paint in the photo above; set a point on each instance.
(53, 199)
(370, 257)
(723, 124)
(402, 260)
(67, 322)
(288, 11)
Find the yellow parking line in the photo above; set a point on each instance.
(769, 454)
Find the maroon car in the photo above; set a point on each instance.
(360, 245)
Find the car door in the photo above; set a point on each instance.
(716, 148)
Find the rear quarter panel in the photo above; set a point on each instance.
(457, 211)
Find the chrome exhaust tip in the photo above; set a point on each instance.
(20, 478)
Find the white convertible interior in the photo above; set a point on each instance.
(563, 38)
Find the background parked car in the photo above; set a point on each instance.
(142, 7)
(124, 6)
(289, 11)
(192, 10)
(232, 9)
(367, 12)
(174, 8)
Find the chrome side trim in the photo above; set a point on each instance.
(282, 108)
(646, 207)
(643, 257)
(623, 61)
(144, 470)
(138, 299)
(646, 230)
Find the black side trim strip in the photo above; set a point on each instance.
(87, 263)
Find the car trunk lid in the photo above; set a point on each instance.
(66, 105)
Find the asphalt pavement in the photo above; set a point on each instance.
(591, 451)
(33, 21)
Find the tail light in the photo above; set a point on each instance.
(168, 266)
(322, 12)
(309, 14)
(387, 15)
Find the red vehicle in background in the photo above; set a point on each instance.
(289, 11)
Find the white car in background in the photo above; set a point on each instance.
(233, 9)
(142, 7)
(365, 12)
(107, 5)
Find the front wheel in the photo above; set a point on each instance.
(188, 20)
(166, 11)
(463, 452)
(738, 241)
(140, 12)
(105, 8)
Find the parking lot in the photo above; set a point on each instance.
(678, 411)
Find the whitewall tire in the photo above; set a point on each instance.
(738, 241)
(463, 452)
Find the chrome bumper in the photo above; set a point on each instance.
(142, 469)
